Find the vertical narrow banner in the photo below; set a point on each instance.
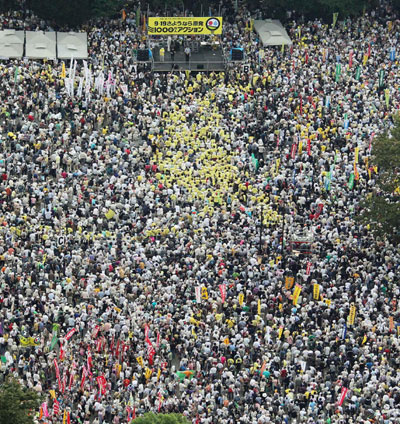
(356, 152)
(308, 147)
(334, 19)
(358, 73)
(387, 98)
(308, 269)
(198, 294)
(351, 58)
(343, 394)
(316, 291)
(381, 77)
(352, 315)
(296, 294)
(222, 289)
(338, 72)
(289, 281)
(350, 184)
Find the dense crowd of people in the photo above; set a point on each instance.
(133, 276)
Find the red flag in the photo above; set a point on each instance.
(56, 407)
(293, 151)
(222, 289)
(306, 56)
(95, 332)
(101, 381)
(308, 269)
(62, 353)
(146, 332)
(58, 375)
(84, 373)
(160, 401)
(342, 396)
(70, 334)
(309, 147)
(68, 418)
(319, 210)
(369, 50)
(89, 362)
(351, 58)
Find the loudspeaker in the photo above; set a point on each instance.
(237, 54)
(200, 66)
(143, 55)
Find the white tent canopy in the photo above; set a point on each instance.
(11, 43)
(40, 45)
(272, 33)
(72, 45)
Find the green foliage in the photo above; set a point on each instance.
(317, 8)
(151, 418)
(18, 405)
(74, 12)
(381, 208)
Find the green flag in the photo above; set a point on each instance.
(338, 71)
(387, 97)
(350, 185)
(138, 17)
(3, 359)
(358, 73)
(381, 76)
(334, 20)
(54, 341)
(254, 161)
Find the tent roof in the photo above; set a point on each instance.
(272, 33)
(72, 44)
(11, 43)
(40, 45)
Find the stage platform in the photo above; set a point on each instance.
(207, 59)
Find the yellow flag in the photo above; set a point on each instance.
(365, 60)
(158, 374)
(63, 70)
(147, 373)
(226, 341)
(364, 339)
(352, 315)
(296, 294)
(316, 291)
(110, 214)
(280, 331)
(65, 416)
(289, 281)
(391, 323)
(356, 150)
(140, 361)
(241, 299)
(204, 293)
(259, 307)
(52, 393)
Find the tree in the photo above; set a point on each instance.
(381, 208)
(151, 418)
(18, 405)
(73, 13)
